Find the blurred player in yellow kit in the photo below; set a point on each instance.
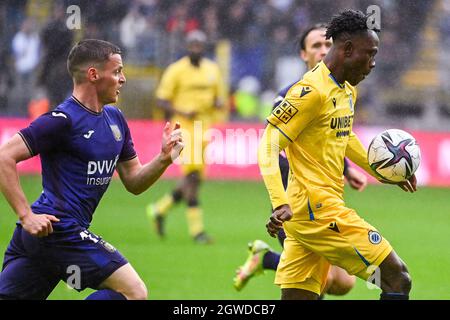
(313, 47)
(190, 91)
(313, 124)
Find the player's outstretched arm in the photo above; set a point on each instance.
(12, 152)
(272, 142)
(358, 154)
(137, 177)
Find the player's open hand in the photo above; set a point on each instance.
(172, 142)
(409, 185)
(38, 225)
(279, 215)
(356, 179)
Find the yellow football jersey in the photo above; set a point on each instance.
(315, 125)
(190, 88)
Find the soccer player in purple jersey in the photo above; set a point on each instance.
(81, 142)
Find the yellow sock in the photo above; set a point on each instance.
(194, 217)
(164, 204)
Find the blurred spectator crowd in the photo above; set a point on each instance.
(35, 41)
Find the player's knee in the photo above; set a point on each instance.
(341, 285)
(138, 291)
(298, 294)
(397, 278)
(193, 178)
(406, 281)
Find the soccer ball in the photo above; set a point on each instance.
(394, 155)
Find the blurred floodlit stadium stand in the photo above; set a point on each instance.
(249, 38)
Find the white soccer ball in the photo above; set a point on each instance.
(394, 155)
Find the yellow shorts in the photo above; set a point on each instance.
(195, 141)
(342, 239)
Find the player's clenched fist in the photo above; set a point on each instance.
(279, 215)
(39, 225)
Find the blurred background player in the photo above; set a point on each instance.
(313, 47)
(190, 92)
(80, 143)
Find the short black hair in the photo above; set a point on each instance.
(89, 51)
(346, 23)
(301, 45)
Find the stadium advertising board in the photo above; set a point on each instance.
(231, 155)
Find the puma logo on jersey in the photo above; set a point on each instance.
(59, 114)
(89, 134)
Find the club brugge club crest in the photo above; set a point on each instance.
(116, 132)
(374, 237)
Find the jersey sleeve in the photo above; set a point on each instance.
(167, 85)
(272, 142)
(300, 106)
(357, 153)
(128, 152)
(47, 133)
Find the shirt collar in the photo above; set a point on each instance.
(330, 75)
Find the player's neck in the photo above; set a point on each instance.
(88, 98)
(335, 68)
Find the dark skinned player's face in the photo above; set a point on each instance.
(195, 51)
(360, 54)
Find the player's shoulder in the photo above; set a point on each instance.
(181, 63)
(57, 120)
(316, 81)
(74, 109)
(281, 95)
(316, 77)
(305, 89)
(178, 65)
(209, 63)
(64, 110)
(113, 111)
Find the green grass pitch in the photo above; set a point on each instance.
(417, 225)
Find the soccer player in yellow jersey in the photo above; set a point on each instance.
(314, 126)
(313, 47)
(190, 91)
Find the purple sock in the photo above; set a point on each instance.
(106, 295)
(271, 260)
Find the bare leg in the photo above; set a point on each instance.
(339, 282)
(298, 294)
(394, 275)
(190, 187)
(126, 281)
